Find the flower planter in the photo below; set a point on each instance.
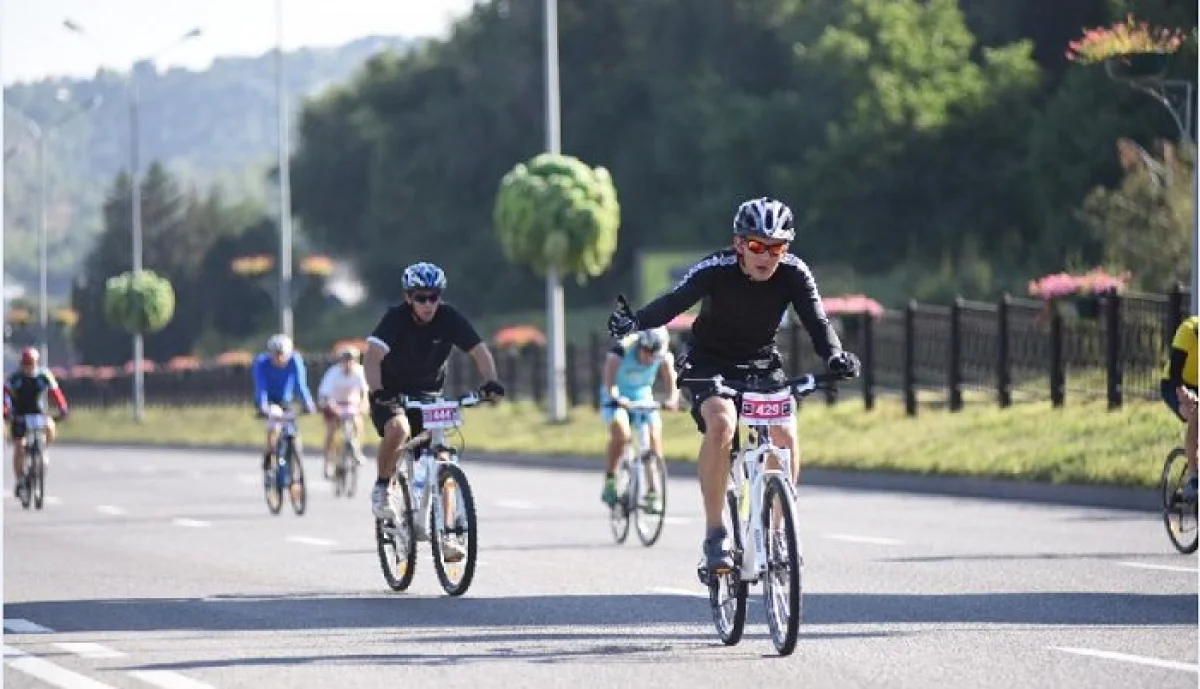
(1135, 66)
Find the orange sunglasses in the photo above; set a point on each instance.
(757, 247)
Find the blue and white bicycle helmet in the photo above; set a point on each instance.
(424, 276)
(766, 218)
(279, 344)
(654, 340)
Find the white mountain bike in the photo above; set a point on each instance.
(640, 469)
(432, 477)
(760, 513)
(345, 470)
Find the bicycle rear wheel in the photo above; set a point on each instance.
(395, 541)
(349, 471)
(649, 519)
(727, 592)
(1179, 516)
(782, 583)
(619, 514)
(455, 577)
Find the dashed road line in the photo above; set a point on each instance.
(1167, 568)
(89, 650)
(49, 672)
(16, 625)
(168, 679)
(111, 510)
(1128, 658)
(192, 523)
(870, 540)
(309, 540)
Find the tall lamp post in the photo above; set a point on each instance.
(285, 184)
(136, 198)
(556, 361)
(41, 135)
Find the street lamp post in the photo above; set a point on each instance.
(555, 362)
(136, 202)
(285, 185)
(42, 135)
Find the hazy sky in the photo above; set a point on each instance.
(34, 44)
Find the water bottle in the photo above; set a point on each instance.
(418, 479)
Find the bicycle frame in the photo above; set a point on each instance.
(748, 487)
(438, 415)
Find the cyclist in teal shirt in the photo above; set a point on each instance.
(629, 372)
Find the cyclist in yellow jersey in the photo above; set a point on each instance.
(1179, 391)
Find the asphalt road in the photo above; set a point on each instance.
(164, 569)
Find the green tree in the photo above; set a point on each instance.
(139, 302)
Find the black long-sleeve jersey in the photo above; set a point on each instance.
(739, 317)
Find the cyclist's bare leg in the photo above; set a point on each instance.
(19, 458)
(51, 431)
(720, 422)
(272, 438)
(331, 425)
(395, 434)
(618, 436)
(1187, 409)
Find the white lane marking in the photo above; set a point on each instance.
(1168, 568)
(691, 593)
(87, 649)
(16, 625)
(53, 500)
(516, 505)
(871, 540)
(249, 478)
(676, 520)
(49, 672)
(1140, 660)
(194, 523)
(110, 509)
(196, 473)
(309, 540)
(168, 679)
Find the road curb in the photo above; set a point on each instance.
(1112, 497)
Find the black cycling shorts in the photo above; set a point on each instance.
(697, 365)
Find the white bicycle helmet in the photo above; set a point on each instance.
(654, 340)
(279, 344)
(424, 276)
(765, 217)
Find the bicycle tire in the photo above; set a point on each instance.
(272, 492)
(1175, 510)
(446, 473)
(651, 462)
(619, 515)
(784, 633)
(299, 501)
(402, 578)
(730, 630)
(38, 476)
(349, 472)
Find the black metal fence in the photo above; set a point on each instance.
(967, 352)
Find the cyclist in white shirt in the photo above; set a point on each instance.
(343, 385)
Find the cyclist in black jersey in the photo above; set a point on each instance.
(744, 292)
(25, 392)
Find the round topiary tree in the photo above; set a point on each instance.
(557, 215)
(139, 303)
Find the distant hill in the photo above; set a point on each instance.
(213, 125)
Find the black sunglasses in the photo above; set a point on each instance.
(425, 297)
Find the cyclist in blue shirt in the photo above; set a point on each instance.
(629, 372)
(278, 373)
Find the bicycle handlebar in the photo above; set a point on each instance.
(800, 386)
(650, 405)
(469, 399)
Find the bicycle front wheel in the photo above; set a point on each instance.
(1179, 516)
(454, 512)
(619, 514)
(651, 515)
(782, 582)
(349, 471)
(38, 483)
(297, 491)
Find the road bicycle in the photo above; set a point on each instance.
(639, 469)
(1179, 515)
(345, 470)
(285, 471)
(760, 511)
(431, 475)
(33, 480)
